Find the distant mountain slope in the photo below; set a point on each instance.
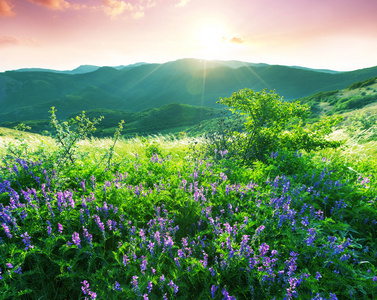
(356, 96)
(149, 121)
(79, 70)
(29, 95)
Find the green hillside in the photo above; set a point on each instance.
(29, 95)
(355, 96)
(173, 117)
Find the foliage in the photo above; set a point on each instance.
(363, 83)
(362, 126)
(297, 226)
(269, 124)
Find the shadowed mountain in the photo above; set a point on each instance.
(29, 95)
(172, 117)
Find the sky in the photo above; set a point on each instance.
(64, 34)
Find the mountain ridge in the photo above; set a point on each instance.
(29, 95)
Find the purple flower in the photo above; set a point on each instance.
(134, 281)
(26, 240)
(213, 290)
(263, 249)
(125, 260)
(135, 284)
(49, 228)
(173, 286)
(76, 239)
(150, 286)
(9, 265)
(176, 259)
(85, 287)
(318, 276)
(117, 287)
(7, 232)
(60, 228)
(260, 229)
(143, 266)
(87, 236)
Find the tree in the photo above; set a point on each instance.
(271, 124)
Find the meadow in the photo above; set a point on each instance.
(162, 217)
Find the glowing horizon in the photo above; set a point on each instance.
(62, 34)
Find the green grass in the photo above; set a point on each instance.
(300, 225)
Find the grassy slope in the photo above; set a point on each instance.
(29, 95)
(356, 96)
(173, 117)
(55, 269)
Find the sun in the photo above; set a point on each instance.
(211, 36)
(210, 40)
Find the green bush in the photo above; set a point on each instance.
(270, 124)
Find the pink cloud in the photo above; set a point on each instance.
(8, 40)
(237, 40)
(6, 7)
(114, 8)
(52, 4)
(234, 39)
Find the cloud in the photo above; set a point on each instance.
(234, 39)
(113, 8)
(52, 4)
(237, 40)
(6, 7)
(7, 40)
(182, 3)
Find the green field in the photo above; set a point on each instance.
(165, 217)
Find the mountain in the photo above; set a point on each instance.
(79, 70)
(173, 117)
(29, 95)
(356, 96)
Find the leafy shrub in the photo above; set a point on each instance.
(269, 124)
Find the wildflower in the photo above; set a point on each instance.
(135, 284)
(333, 297)
(7, 232)
(9, 265)
(76, 239)
(263, 249)
(49, 228)
(173, 286)
(26, 240)
(143, 266)
(318, 276)
(86, 290)
(117, 287)
(213, 290)
(125, 260)
(226, 295)
(260, 229)
(60, 228)
(150, 286)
